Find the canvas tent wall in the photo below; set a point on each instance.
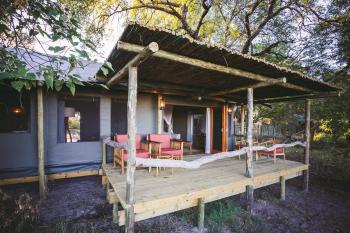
(19, 150)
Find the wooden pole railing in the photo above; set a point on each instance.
(195, 164)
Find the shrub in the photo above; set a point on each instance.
(17, 215)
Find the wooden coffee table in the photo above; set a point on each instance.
(163, 156)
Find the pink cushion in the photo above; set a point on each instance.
(279, 150)
(140, 153)
(164, 139)
(171, 151)
(123, 138)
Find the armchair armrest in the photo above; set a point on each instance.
(177, 144)
(145, 145)
(155, 147)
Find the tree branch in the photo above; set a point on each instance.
(269, 48)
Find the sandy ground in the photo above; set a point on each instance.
(80, 203)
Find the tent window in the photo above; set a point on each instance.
(14, 111)
(119, 122)
(78, 119)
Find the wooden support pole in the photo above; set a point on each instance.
(249, 157)
(145, 53)
(201, 214)
(307, 142)
(224, 133)
(234, 72)
(211, 129)
(131, 160)
(104, 156)
(242, 121)
(115, 213)
(41, 150)
(257, 85)
(283, 188)
(207, 131)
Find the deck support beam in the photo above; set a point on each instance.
(283, 188)
(249, 157)
(307, 142)
(131, 160)
(41, 150)
(201, 214)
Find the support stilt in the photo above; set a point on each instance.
(201, 214)
(283, 188)
(115, 213)
(249, 157)
(41, 150)
(131, 161)
(307, 141)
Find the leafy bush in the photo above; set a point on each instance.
(17, 215)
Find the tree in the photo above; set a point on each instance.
(24, 22)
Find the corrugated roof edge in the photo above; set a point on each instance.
(34, 62)
(218, 46)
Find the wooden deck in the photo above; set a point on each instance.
(169, 193)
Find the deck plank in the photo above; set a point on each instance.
(168, 193)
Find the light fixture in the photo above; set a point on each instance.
(161, 103)
(229, 109)
(17, 110)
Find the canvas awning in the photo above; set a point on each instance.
(165, 76)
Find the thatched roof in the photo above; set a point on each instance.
(156, 70)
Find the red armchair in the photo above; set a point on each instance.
(163, 144)
(279, 151)
(143, 150)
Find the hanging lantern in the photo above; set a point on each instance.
(161, 103)
(17, 110)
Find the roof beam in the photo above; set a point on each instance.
(298, 97)
(254, 86)
(207, 65)
(142, 55)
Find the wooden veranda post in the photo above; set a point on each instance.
(249, 157)
(40, 127)
(307, 142)
(131, 161)
(201, 214)
(242, 122)
(131, 69)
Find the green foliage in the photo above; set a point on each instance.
(17, 215)
(227, 215)
(25, 22)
